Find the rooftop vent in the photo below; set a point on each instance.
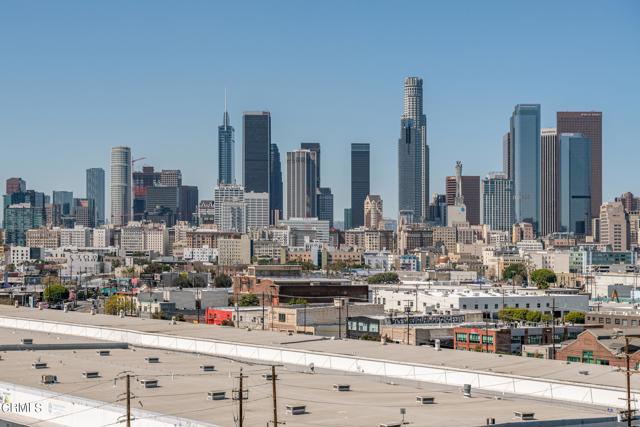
(524, 415)
(583, 372)
(391, 424)
(104, 353)
(268, 377)
(49, 379)
(491, 421)
(217, 395)
(152, 359)
(235, 394)
(26, 341)
(91, 374)
(207, 368)
(39, 365)
(341, 387)
(466, 390)
(296, 409)
(149, 383)
(425, 400)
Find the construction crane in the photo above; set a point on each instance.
(136, 160)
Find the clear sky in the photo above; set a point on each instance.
(78, 77)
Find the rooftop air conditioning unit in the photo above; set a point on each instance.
(91, 374)
(152, 359)
(268, 377)
(149, 383)
(26, 341)
(39, 365)
(295, 409)
(341, 387)
(466, 390)
(104, 353)
(425, 400)
(391, 424)
(49, 379)
(524, 415)
(207, 368)
(217, 395)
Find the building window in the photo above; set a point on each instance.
(352, 325)
(464, 306)
(281, 317)
(486, 306)
(517, 305)
(587, 356)
(461, 337)
(535, 339)
(527, 305)
(398, 303)
(600, 319)
(573, 359)
(475, 306)
(634, 322)
(495, 306)
(538, 305)
(487, 339)
(617, 321)
(474, 338)
(362, 327)
(608, 320)
(373, 327)
(602, 362)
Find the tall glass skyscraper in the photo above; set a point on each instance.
(256, 151)
(302, 178)
(413, 153)
(121, 212)
(275, 185)
(95, 192)
(226, 149)
(525, 162)
(575, 183)
(496, 201)
(360, 181)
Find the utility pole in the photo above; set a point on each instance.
(407, 310)
(275, 400)
(263, 310)
(486, 335)
(340, 318)
(553, 328)
(129, 398)
(240, 421)
(627, 357)
(346, 321)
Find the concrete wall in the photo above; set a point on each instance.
(483, 380)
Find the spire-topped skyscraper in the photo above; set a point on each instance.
(226, 148)
(413, 153)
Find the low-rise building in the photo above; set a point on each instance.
(43, 237)
(601, 347)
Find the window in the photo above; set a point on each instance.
(535, 339)
(547, 304)
(617, 321)
(602, 362)
(607, 320)
(384, 300)
(281, 317)
(516, 339)
(474, 338)
(487, 339)
(634, 322)
(527, 305)
(362, 327)
(538, 305)
(486, 306)
(587, 356)
(624, 322)
(351, 325)
(398, 303)
(464, 305)
(517, 305)
(600, 319)
(373, 327)
(461, 337)
(475, 306)
(495, 306)
(573, 359)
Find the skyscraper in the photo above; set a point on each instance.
(256, 151)
(471, 194)
(64, 199)
(275, 185)
(589, 124)
(313, 146)
(614, 226)
(506, 154)
(95, 191)
(15, 185)
(325, 205)
(257, 214)
(413, 153)
(302, 178)
(171, 177)
(549, 182)
(457, 212)
(373, 212)
(496, 202)
(226, 149)
(575, 183)
(525, 162)
(120, 185)
(360, 181)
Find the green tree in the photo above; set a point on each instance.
(182, 281)
(574, 317)
(533, 316)
(222, 281)
(115, 304)
(56, 293)
(298, 301)
(388, 277)
(542, 277)
(512, 271)
(156, 268)
(248, 300)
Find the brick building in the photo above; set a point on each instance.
(601, 347)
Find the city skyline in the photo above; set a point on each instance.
(368, 110)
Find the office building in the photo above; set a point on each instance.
(325, 205)
(360, 181)
(549, 182)
(226, 149)
(614, 226)
(121, 211)
(15, 185)
(84, 211)
(457, 211)
(171, 177)
(373, 212)
(315, 147)
(233, 217)
(496, 202)
(162, 197)
(302, 229)
(257, 213)
(18, 218)
(302, 178)
(276, 204)
(413, 153)
(630, 202)
(225, 193)
(525, 162)
(575, 183)
(589, 124)
(506, 154)
(470, 193)
(347, 219)
(142, 180)
(187, 202)
(95, 191)
(256, 151)
(64, 199)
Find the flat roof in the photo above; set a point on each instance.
(183, 389)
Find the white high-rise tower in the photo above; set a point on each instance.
(121, 201)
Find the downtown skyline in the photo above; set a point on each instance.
(359, 107)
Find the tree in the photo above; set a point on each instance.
(56, 293)
(513, 314)
(156, 268)
(222, 281)
(182, 281)
(533, 316)
(298, 301)
(542, 277)
(514, 270)
(574, 317)
(115, 304)
(248, 300)
(388, 277)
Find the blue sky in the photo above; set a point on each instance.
(78, 77)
